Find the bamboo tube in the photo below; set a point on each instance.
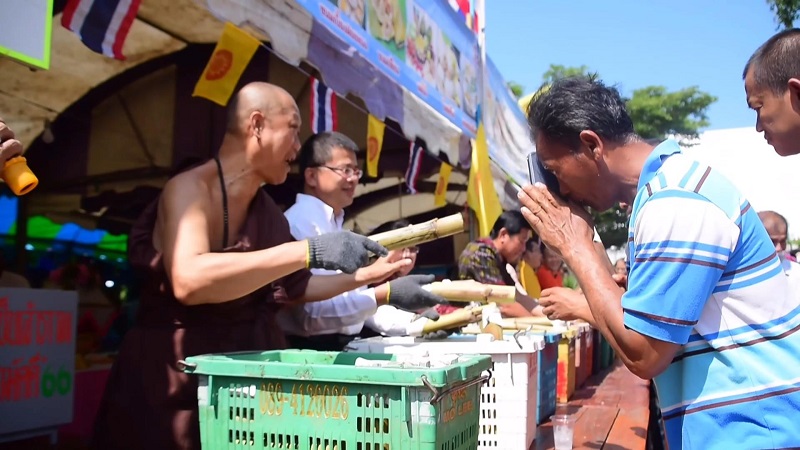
(453, 320)
(472, 291)
(534, 321)
(420, 233)
(516, 324)
(522, 326)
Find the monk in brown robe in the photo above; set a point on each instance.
(217, 261)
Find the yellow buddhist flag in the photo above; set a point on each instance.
(440, 195)
(231, 56)
(375, 129)
(481, 196)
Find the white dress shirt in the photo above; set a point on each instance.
(343, 314)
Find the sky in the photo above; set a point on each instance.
(675, 43)
(635, 43)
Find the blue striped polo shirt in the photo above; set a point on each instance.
(704, 274)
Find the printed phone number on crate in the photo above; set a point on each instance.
(308, 400)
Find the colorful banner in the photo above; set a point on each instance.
(440, 194)
(507, 131)
(422, 44)
(481, 194)
(413, 61)
(324, 115)
(375, 129)
(415, 152)
(231, 56)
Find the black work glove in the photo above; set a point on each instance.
(438, 334)
(407, 293)
(342, 250)
(431, 314)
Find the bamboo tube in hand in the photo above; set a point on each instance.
(472, 291)
(420, 233)
(453, 320)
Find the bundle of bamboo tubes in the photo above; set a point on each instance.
(420, 233)
(456, 319)
(517, 323)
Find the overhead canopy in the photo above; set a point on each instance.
(129, 136)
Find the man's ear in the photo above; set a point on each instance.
(256, 122)
(794, 89)
(502, 233)
(310, 177)
(592, 144)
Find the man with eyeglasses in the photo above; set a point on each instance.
(331, 173)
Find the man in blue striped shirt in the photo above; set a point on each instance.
(708, 313)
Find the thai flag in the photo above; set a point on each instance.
(323, 107)
(414, 163)
(102, 25)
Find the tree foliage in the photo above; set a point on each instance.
(657, 113)
(516, 89)
(786, 11)
(557, 72)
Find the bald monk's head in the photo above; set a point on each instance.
(267, 119)
(266, 98)
(777, 228)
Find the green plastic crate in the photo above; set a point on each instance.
(308, 400)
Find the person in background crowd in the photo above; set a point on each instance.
(331, 172)
(772, 85)
(688, 317)
(778, 229)
(531, 261)
(621, 273)
(570, 281)
(485, 259)
(550, 273)
(620, 268)
(217, 261)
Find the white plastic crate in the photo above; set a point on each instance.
(508, 398)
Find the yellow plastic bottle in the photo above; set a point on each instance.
(18, 176)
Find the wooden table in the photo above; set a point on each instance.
(611, 412)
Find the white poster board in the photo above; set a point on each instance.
(25, 31)
(37, 359)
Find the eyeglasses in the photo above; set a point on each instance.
(408, 251)
(348, 172)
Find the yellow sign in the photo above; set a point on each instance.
(481, 195)
(440, 194)
(375, 129)
(306, 399)
(231, 56)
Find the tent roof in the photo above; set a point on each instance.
(162, 29)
